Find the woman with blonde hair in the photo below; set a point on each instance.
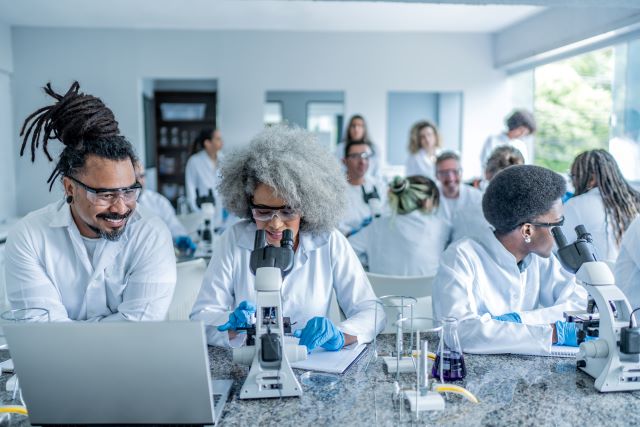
(424, 145)
(409, 241)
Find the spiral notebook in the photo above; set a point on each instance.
(563, 351)
(335, 362)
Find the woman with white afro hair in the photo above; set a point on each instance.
(285, 180)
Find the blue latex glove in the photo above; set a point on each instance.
(320, 331)
(240, 317)
(184, 244)
(508, 317)
(567, 333)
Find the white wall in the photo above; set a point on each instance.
(112, 63)
(7, 149)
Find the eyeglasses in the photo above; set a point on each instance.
(109, 196)
(547, 224)
(266, 213)
(447, 172)
(356, 156)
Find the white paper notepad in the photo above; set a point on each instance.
(335, 362)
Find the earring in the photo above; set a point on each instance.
(527, 239)
(69, 199)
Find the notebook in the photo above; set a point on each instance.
(563, 351)
(335, 362)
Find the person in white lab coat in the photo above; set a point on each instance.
(365, 195)
(154, 203)
(466, 222)
(627, 268)
(91, 256)
(604, 202)
(284, 180)
(201, 172)
(356, 130)
(454, 197)
(410, 240)
(424, 145)
(503, 285)
(520, 124)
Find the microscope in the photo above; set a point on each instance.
(612, 356)
(266, 350)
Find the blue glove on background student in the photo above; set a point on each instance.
(184, 244)
(320, 332)
(240, 317)
(508, 317)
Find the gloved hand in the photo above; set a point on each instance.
(184, 244)
(567, 333)
(320, 331)
(240, 317)
(508, 317)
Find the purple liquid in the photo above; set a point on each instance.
(453, 368)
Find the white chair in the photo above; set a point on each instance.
(190, 274)
(418, 287)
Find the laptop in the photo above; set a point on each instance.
(116, 373)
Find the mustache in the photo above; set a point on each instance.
(115, 216)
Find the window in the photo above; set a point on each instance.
(324, 119)
(272, 113)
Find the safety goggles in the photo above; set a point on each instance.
(448, 172)
(559, 223)
(357, 156)
(266, 213)
(109, 196)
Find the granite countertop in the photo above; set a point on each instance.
(512, 390)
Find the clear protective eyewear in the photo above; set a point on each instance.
(357, 156)
(559, 223)
(449, 172)
(109, 196)
(266, 213)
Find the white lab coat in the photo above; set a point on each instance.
(202, 174)
(403, 245)
(322, 263)
(466, 222)
(495, 141)
(587, 209)
(420, 164)
(627, 268)
(469, 199)
(153, 203)
(357, 210)
(130, 279)
(478, 278)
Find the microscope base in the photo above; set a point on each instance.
(432, 401)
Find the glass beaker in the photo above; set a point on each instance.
(449, 364)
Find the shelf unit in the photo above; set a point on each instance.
(180, 116)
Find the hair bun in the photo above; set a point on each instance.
(399, 184)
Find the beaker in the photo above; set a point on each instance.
(449, 363)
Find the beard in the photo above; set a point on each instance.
(114, 235)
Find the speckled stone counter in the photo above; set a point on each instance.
(513, 390)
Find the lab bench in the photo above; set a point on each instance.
(512, 390)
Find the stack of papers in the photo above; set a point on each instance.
(335, 362)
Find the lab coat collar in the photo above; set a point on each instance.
(498, 252)
(307, 241)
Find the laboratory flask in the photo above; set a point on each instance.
(449, 363)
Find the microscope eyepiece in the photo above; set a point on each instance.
(260, 239)
(559, 237)
(287, 239)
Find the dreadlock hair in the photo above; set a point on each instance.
(83, 123)
(621, 201)
(203, 135)
(410, 193)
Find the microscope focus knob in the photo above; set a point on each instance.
(595, 349)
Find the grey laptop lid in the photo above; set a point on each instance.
(109, 373)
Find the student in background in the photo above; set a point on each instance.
(285, 180)
(92, 256)
(424, 146)
(201, 173)
(520, 124)
(365, 195)
(357, 131)
(465, 222)
(604, 202)
(504, 285)
(410, 240)
(453, 196)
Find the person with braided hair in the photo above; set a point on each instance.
(90, 256)
(408, 242)
(604, 202)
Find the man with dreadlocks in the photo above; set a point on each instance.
(90, 256)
